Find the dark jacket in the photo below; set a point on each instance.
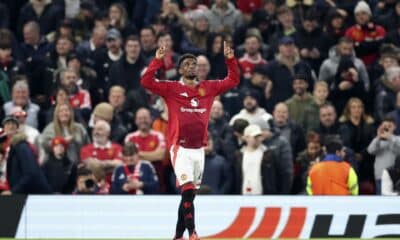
(217, 174)
(61, 174)
(385, 101)
(326, 132)
(276, 167)
(23, 171)
(297, 138)
(310, 40)
(125, 74)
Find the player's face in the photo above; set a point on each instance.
(188, 68)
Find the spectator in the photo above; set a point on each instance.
(24, 175)
(47, 13)
(58, 169)
(117, 99)
(215, 55)
(135, 176)
(367, 35)
(57, 59)
(168, 70)
(390, 19)
(105, 111)
(332, 176)
(288, 129)
(238, 128)
(118, 19)
(64, 125)
(387, 93)
(34, 48)
(87, 75)
(252, 56)
(31, 133)
(391, 180)
(329, 67)
(203, 68)
(151, 144)
(285, 26)
(195, 40)
(281, 70)
(311, 113)
(224, 17)
(102, 156)
(300, 102)
(251, 111)
(328, 124)
(385, 146)
(148, 42)
(357, 131)
(395, 114)
(261, 84)
(334, 29)
(311, 155)
(104, 58)
(126, 71)
(87, 48)
(86, 182)
(20, 97)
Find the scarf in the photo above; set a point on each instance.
(133, 175)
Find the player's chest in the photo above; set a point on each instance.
(191, 97)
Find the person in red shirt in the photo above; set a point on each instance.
(102, 156)
(189, 103)
(252, 56)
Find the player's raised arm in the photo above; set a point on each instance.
(148, 79)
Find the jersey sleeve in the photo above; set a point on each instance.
(149, 81)
(85, 153)
(230, 81)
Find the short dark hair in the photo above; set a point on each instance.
(83, 171)
(149, 27)
(5, 39)
(239, 125)
(129, 149)
(333, 144)
(389, 119)
(185, 56)
(345, 40)
(162, 34)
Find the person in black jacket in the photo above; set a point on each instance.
(58, 169)
(24, 175)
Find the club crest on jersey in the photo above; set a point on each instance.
(202, 92)
(194, 102)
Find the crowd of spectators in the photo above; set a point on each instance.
(75, 118)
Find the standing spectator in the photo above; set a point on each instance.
(34, 48)
(332, 176)
(135, 176)
(151, 144)
(195, 40)
(148, 42)
(168, 71)
(311, 115)
(24, 175)
(367, 35)
(329, 67)
(224, 17)
(334, 29)
(357, 131)
(58, 169)
(215, 55)
(20, 97)
(328, 125)
(57, 59)
(387, 92)
(102, 156)
(282, 70)
(252, 56)
(87, 75)
(86, 49)
(47, 13)
(261, 84)
(385, 146)
(391, 180)
(31, 133)
(203, 68)
(126, 71)
(64, 125)
(286, 25)
(118, 19)
(251, 111)
(117, 100)
(104, 58)
(301, 101)
(288, 129)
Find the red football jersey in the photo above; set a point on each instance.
(247, 64)
(80, 100)
(189, 107)
(111, 152)
(149, 142)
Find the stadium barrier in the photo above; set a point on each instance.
(140, 217)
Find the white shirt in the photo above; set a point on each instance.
(387, 185)
(251, 171)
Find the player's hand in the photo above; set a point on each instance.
(161, 51)
(228, 51)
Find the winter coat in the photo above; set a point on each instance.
(230, 19)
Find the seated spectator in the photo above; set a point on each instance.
(117, 99)
(300, 102)
(86, 182)
(24, 175)
(334, 29)
(387, 92)
(31, 133)
(288, 129)
(237, 140)
(332, 176)
(64, 125)
(251, 111)
(311, 115)
(203, 68)
(148, 42)
(395, 114)
(328, 123)
(357, 131)
(135, 176)
(57, 58)
(218, 177)
(151, 144)
(224, 17)
(366, 35)
(20, 98)
(102, 156)
(391, 179)
(58, 169)
(34, 48)
(386, 147)
(311, 155)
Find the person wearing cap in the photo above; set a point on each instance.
(366, 35)
(104, 58)
(224, 17)
(300, 101)
(31, 132)
(57, 59)
(136, 176)
(332, 176)
(189, 103)
(59, 170)
(251, 111)
(252, 56)
(282, 69)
